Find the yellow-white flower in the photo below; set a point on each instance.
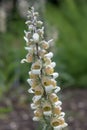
(29, 58)
(35, 104)
(41, 52)
(47, 110)
(36, 68)
(38, 90)
(49, 70)
(48, 84)
(47, 61)
(57, 110)
(53, 98)
(58, 123)
(38, 114)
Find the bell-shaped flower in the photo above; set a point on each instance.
(55, 75)
(36, 68)
(57, 110)
(38, 114)
(29, 58)
(49, 70)
(57, 89)
(47, 110)
(58, 123)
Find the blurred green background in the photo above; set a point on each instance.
(67, 19)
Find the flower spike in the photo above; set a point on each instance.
(46, 104)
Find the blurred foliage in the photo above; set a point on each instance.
(70, 18)
(12, 73)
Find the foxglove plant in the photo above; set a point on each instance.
(43, 86)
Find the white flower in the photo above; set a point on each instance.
(30, 81)
(36, 13)
(35, 37)
(44, 44)
(35, 71)
(62, 114)
(23, 61)
(55, 75)
(47, 113)
(36, 98)
(36, 118)
(31, 27)
(27, 34)
(33, 106)
(50, 41)
(28, 22)
(57, 89)
(41, 31)
(26, 39)
(30, 90)
(49, 88)
(39, 22)
(58, 103)
(30, 49)
(57, 128)
(64, 125)
(49, 55)
(53, 64)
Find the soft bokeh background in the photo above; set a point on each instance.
(66, 22)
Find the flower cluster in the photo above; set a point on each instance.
(46, 103)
